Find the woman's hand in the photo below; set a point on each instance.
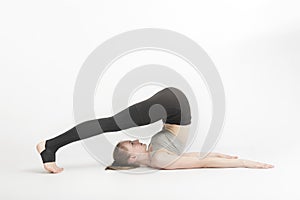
(253, 164)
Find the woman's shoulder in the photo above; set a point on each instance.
(154, 153)
(162, 157)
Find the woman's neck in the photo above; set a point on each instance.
(145, 159)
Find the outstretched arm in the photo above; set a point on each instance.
(165, 160)
(212, 154)
(224, 162)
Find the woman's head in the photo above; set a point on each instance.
(129, 154)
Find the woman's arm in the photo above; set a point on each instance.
(212, 154)
(224, 162)
(164, 160)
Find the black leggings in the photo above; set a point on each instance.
(169, 105)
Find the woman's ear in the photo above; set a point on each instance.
(132, 159)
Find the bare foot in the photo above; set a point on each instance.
(253, 164)
(52, 167)
(49, 166)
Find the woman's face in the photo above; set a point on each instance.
(135, 146)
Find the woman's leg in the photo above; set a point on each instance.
(125, 119)
(135, 115)
(161, 106)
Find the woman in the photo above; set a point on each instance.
(166, 147)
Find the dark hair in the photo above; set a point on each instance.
(121, 157)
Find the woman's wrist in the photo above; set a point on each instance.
(243, 164)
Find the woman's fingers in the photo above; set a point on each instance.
(265, 165)
(254, 164)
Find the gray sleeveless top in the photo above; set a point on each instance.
(167, 140)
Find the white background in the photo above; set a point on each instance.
(255, 46)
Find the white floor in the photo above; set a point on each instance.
(22, 177)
